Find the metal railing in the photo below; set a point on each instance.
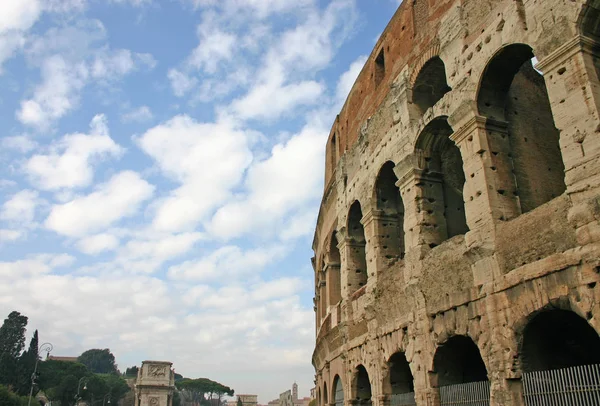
(466, 394)
(403, 399)
(572, 386)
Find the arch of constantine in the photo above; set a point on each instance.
(458, 239)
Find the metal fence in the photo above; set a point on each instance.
(403, 399)
(575, 386)
(466, 394)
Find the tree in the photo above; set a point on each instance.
(12, 341)
(26, 366)
(8, 398)
(99, 361)
(202, 390)
(132, 371)
(239, 402)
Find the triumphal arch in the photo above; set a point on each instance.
(155, 384)
(457, 248)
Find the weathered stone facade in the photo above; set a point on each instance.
(458, 238)
(155, 384)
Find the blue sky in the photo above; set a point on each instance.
(162, 168)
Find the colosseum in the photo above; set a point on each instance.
(457, 248)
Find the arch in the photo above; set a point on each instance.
(361, 386)
(458, 361)
(589, 19)
(333, 269)
(319, 397)
(400, 378)
(389, 201)
(325, 397)
(338, 391)
(357, 260)
(513, 92)
(558, 338)
(430, 85)
(444, 179)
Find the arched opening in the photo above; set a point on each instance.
(555, 339)
(362, 386)
(338, 390)
(333, 269)
(401, 385)
(357, 261)
(458, 361)
(431, 84)
(443, 182)
(590, 19)
(325, 397)
(512, 91)
(319, 397)
(389, 201)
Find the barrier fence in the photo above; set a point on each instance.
(574, 386)
(466, 394)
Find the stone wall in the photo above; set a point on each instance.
(477, 178)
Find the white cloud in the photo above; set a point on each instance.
(287, 180)
(138, 115)
(21, 143)
(215, 45)
(34, 266)
(70, 160)
(207, 159)
(227, 263)
(181, 82)
(58, 93)
(7, 235)
(145, 255)
(120, 197)
(69, 58)
(95, 244)
(21, 207)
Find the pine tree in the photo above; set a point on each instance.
(12, 341)
(26, 366)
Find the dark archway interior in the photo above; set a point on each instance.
(430, 85)
(459, 361)
(590, 22)
(357, 261)
(325, 397)
(338, 390)
(401, 379)
(557, 339)
(443, 157)
(513, 91)
(390, 202)
(363, 386)
(335, 285)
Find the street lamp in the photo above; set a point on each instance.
(44, 347)
(79, 387)
(104, 399)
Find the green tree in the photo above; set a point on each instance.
(26, 366)
(9, 398)
(176, 398)
(201, 391)
(239, 402)
(99, 361)
(132, 371)
(12, 341)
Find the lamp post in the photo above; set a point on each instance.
(79, 387)
(44, 347)
(104, 399)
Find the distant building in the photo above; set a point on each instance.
(60, 358)
(290, 398)
(248, 400)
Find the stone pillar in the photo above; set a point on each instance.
(424, 222)
(385, 240)
(574, 93)
(333, 281)
(155, 384)
(322, 297)
(348, 252)
(490, 191)
(381, 400)
(428, 397)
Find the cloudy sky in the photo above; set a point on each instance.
(161, 172)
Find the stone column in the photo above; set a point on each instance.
(348, 248)
(322, 297)
(383, 241)
(574, 92)
(381, 400)
(490, 190)
(424, 222)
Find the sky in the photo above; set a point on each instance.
(161, 169)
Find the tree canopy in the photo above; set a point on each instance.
(99, 361)
(201, 390)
